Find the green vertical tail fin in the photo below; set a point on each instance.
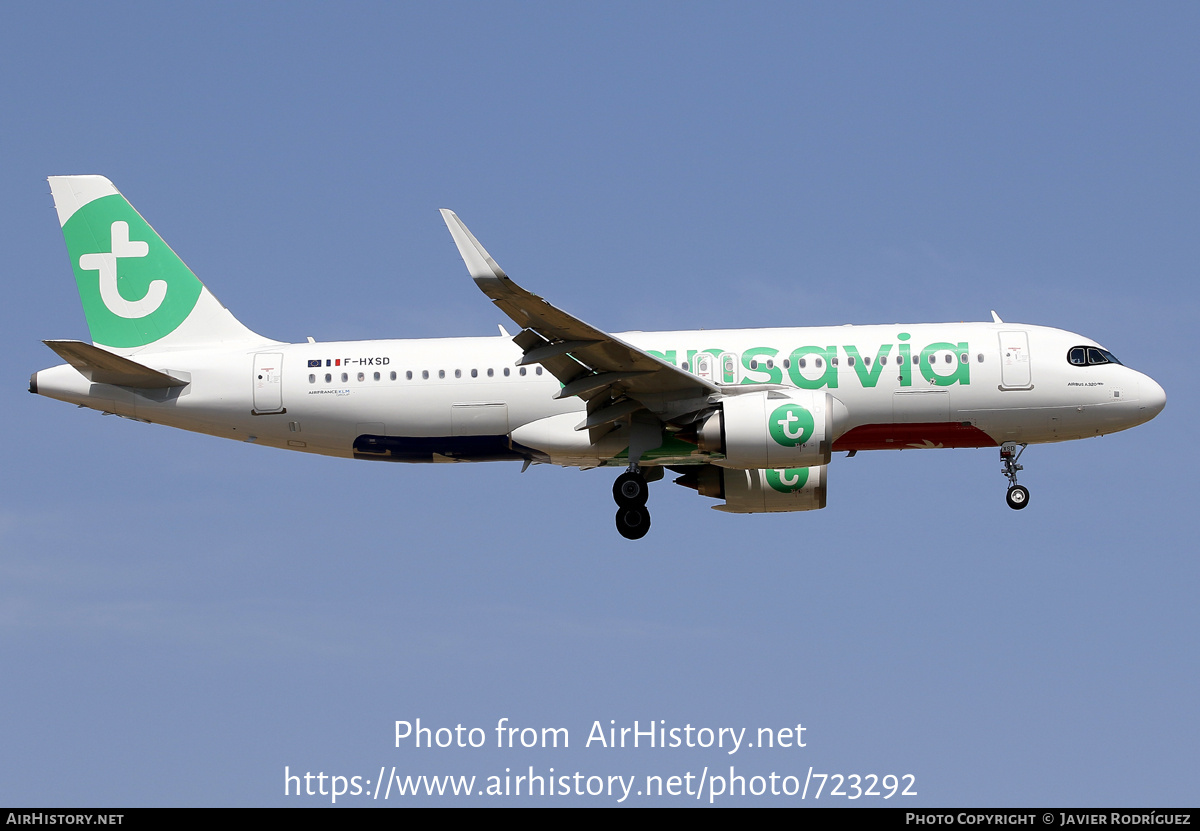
(137, 294)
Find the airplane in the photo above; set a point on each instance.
(749, 417)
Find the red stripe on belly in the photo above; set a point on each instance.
(900, 436)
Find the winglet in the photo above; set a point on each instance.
(996, 317)
(479, 262)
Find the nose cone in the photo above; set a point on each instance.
(1151, 397)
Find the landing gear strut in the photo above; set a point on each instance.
(631, 492)
(1018, 495)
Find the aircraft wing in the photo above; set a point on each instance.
(614, 377)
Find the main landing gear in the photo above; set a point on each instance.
(1018, 495)
(631, 491)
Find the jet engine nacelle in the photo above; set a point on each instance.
(770, 429)
(760, 491)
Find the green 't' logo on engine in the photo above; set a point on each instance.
(789, 480)
(134, 288)
(791, 425)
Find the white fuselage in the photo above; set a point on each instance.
(457, 399)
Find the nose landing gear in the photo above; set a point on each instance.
(1018, 495)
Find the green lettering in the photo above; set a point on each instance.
(868, 376)
(829, 376)
(961, 374)
(905, 357)
(774, 374)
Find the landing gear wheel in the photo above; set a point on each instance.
(633, 522)
(630, 491)
(1018, 497)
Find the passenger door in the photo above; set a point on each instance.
(1015, 369)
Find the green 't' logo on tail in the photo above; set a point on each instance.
(134, 288)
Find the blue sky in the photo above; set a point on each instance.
(182, 617)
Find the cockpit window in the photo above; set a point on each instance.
(1090, 356)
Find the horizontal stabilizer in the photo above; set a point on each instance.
(102, 367)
